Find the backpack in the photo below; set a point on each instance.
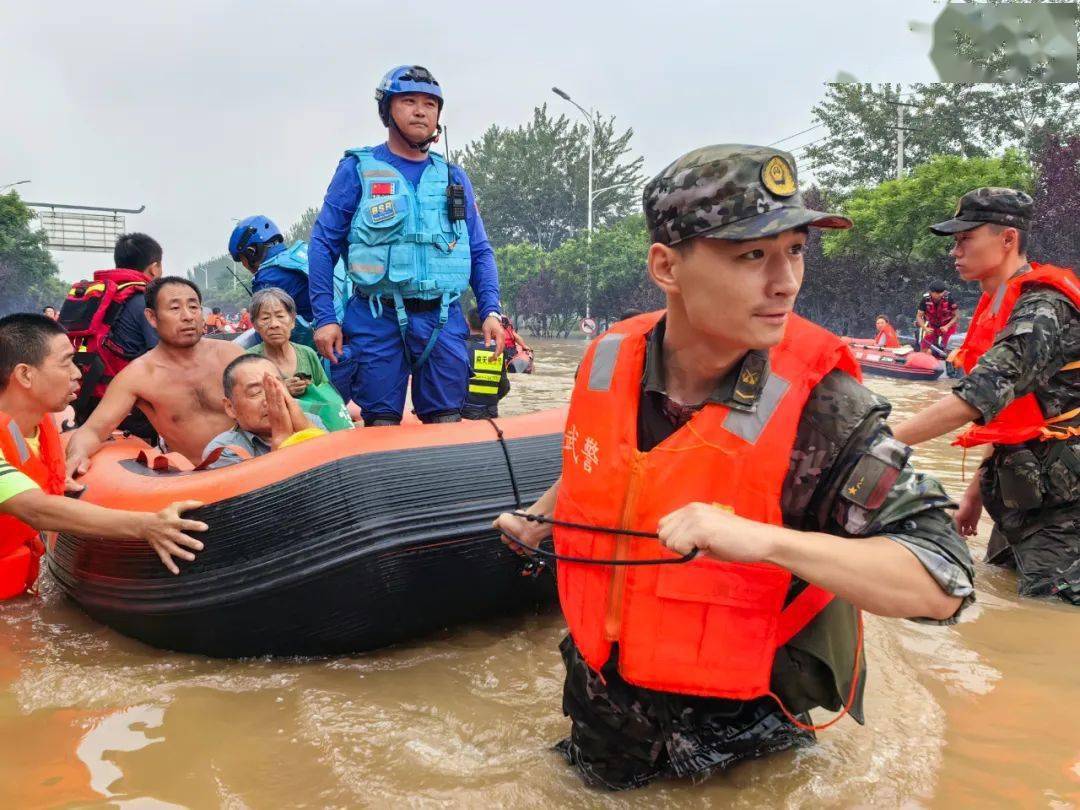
(88, 314)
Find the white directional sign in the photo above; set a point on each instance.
(74, 230)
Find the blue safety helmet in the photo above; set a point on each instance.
(252, 236)
(405, 79)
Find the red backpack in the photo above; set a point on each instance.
(88, 315)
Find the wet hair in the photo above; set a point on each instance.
(264, 297)
(1022, 241)
(883, 318)
(474, 319)
(136, 251)
(633, 312)
(228, 377)
(216, 310)
(47, 307)
(153, 289)
(25, 338)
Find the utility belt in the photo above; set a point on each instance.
(411, 304)
(1037, 474)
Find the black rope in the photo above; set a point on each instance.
(583, 526)
(519, 512)
(551, 555)
(509, 464)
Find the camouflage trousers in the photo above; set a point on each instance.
(1032, 492)
(623, 736)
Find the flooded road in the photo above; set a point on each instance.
(985, 713)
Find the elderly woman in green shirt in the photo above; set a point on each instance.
(273, 313)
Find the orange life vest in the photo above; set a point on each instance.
(706, 627)
(887, 338)
(21, 546)
(1022, 419)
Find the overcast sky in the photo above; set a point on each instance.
(207, 111)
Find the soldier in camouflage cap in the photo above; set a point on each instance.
(1021, 394)
(1000, 206)
(729, 191)
(729, 351)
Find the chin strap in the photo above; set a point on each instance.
(424, 145)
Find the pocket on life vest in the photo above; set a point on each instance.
(403, 264)
(734, 609)
(717, 583)
(367, 264)
(383, 217)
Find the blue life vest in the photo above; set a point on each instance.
(402, 243)
(295, 258)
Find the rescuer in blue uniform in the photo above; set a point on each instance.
(257, 243)
(413, 239)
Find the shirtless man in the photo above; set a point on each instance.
(177, 384)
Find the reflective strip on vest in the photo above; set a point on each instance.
(380, 173)
(20, 442)
(749, 425)
(603, 364)
(486, 384)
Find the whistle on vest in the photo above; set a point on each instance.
(455, 202)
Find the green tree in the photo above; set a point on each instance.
(884, 263)
(300, 231)
(531, 181)
(545, 290)
(965, 120)
(220, 288)
(891, 219)
(519, 264)
(619, 278)
(29, 278)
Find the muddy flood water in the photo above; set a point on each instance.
(983, 714)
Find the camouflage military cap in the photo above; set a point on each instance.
(729, 191)
(1002, 206)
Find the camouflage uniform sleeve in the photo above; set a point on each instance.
(850, 477)
(1025, 355)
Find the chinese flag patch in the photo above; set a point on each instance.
(382, 189)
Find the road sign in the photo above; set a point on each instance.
(67, 228)
(73, 230)
(588, 326)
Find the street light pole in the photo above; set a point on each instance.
(600, 191)
(12, 185)
(588, 227)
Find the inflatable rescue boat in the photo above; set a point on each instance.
(903, 363)
(345, 543)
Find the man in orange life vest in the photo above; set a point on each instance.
(1021, 392)
(728, 424)
(38, 377)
